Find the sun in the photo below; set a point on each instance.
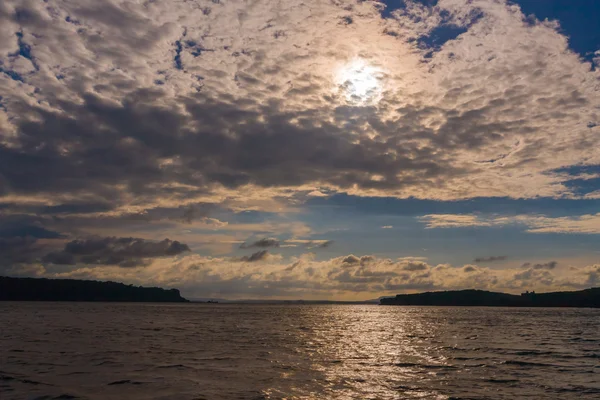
(360, 82)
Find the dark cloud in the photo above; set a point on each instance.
(79, 220)
(76, 208)
(352, 260)
(17, 250)
(262, 243)
(16, 223)
(490, 259)
(415, 266)
(24, 239)
(545, 266)
(124, 252)
(258, 256)
(59, 258)
(271, 151)
(28, 231)
(189, 214)
(320, 245)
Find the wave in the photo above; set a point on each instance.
(425, 366)
(125, 381)
(528, 363)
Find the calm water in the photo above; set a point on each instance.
(147, 351)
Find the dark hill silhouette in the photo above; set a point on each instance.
(582, 298)
(41, 289)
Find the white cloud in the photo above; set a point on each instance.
(492, 113)
(346, 277)
(589, 223)
(580, 224)
(459, 220)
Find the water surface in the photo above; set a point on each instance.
(194, 351)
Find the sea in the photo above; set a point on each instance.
(250, 351)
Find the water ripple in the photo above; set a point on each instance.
(151, 351)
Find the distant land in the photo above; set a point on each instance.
(582, 298)
(42, 289)
(276, 301)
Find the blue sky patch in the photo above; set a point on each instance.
(483, 205)
(15, 76)
(578, 20)
(440, 35)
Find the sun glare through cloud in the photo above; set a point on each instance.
(360, 82)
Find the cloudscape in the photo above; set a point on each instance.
(301, 149)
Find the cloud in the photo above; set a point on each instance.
(258, 256)
(124, 252)
(588, 224)
(490, 259)
(215, 98)
(455, 221)
(548, 265)
(19, 230)
(261, 243)
(353, 260)
(18, 250)
(415, 266)
(347, 277)
(410, 258)
(308, 243)
(590, 275)
(324, 244)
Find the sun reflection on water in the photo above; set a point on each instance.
(301, 351)
(370, 352)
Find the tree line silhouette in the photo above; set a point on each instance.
(42, 289)
(581, 298)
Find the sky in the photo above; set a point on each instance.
(318, 149)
